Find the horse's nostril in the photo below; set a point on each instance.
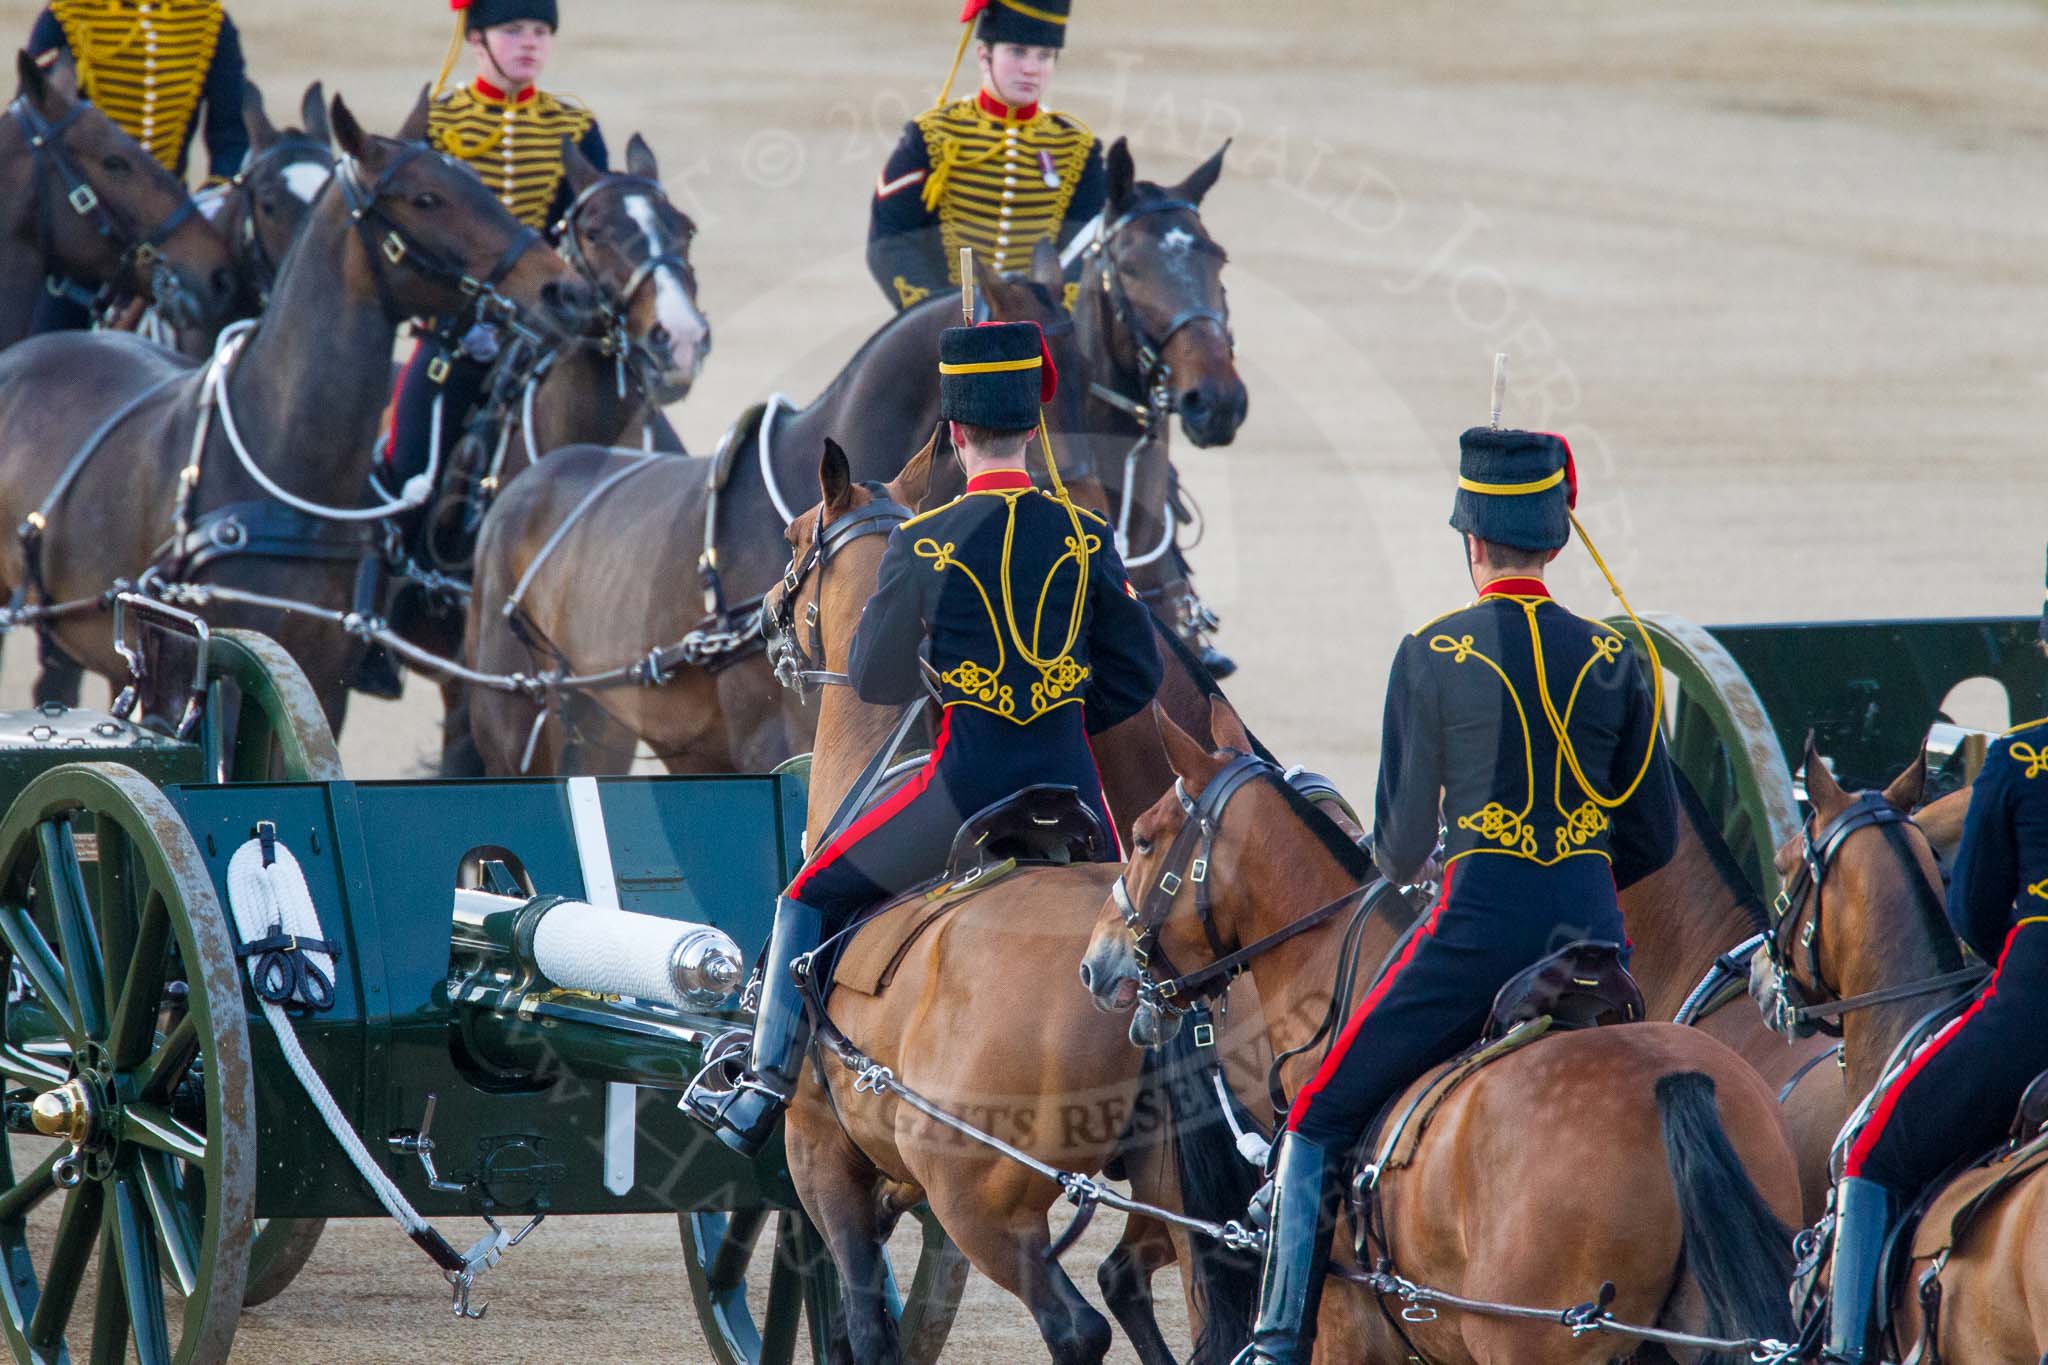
(1087, 978)
(1192, 400)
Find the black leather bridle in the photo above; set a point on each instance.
(798, 667)
(1803, 1004)
(139, 250)
(259, 266)
(614, 303)
(1156, 399)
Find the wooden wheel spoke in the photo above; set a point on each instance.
(151, 1125)
(77, 936)
(141, 1273)
(110, 1311)
(171, 1212)
(32, 1189)
(167, 1065)
(728, 1269)
(113, 884)
(19, 1064)
(40, 965)
(77, 1233)
(135, 1010)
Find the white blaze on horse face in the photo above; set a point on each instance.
(306, 179)
(1179, 240)
(678, 316)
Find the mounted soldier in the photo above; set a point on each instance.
(1956, 1096)
(1018, 703)
(997, 171)
(1529, 738)
(158, 69)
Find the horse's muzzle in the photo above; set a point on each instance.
(1211, 413)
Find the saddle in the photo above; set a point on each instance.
(738, 438)
(1582, 985)
(1041, 826)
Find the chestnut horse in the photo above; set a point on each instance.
(1684, 1211)
(1883, 926)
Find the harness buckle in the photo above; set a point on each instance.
(145, 254)
(1198, 871)
(470, 286)
(1205, 1035)
(394, 247)
(83, 200)
(1170, 882)
(437, 369)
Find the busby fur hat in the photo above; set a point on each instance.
(996, 375)
(482, 14)
(1034, 23)
(1515, 488)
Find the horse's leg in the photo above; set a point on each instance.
(1125, 1279)
(460, 754)
(997, 1219)
(61, 678)
(838, 1189)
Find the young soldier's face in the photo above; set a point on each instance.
(1015, 73)
(517, 52)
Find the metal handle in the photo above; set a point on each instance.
(131, 654)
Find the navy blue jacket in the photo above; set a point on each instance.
(942, 578)
(2000, 875)
(1468, 744)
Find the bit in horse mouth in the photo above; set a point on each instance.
(1126, 995)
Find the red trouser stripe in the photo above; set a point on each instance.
(880, 815)
(1116, 840)
(1873, 1131)
(1331, 1063)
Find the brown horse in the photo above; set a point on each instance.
(1883, 926)
(623, 573)
(400, 232)
(86, 202)
(1683, 1212)
(1064, 1089)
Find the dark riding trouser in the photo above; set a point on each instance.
(59, 313)
(412, 422)
(1957, 1096)
(977, 759)
(1497, 916)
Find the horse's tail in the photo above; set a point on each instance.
(1735, 1249)
(1216, 1184)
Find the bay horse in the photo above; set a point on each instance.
(81, 200)
(1883, 926)
(401, 231)
(625, 573)
(1685, 1211)
(859, 1160)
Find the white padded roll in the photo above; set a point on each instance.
(612, 952)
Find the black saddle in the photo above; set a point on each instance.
(2032, 1119)
(1045, 823)
(1581, 985)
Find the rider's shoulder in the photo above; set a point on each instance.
(926, 518)
(948, 120)
(1086, 515)
(1448, 620)
(1068, 123)
(2021, 752)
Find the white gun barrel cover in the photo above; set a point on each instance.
(615, 952)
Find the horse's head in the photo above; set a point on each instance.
(285, 172)
(1861, 907)
(436, 243)
(108, 213)
(1157, 276)
(627, 238)
(1198, 885)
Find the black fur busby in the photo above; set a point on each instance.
(482, 14)
(996, 375)
(1034, 23)
(1515, 488)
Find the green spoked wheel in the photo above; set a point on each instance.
(1721, 738)
(127, 1184)
(802, 1301)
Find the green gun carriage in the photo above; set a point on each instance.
(165, 1166)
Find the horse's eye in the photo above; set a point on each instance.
(116, 165)
(426, 201)
(1141, 845)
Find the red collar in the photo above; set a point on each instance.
(1515, 587)
(1003, 113)
(494, 94)
(999, 481)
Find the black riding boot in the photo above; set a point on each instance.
(1305, 1198)
(742, 1114)
(375, 672)
(1863, 1216)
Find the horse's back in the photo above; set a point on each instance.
(112, 364)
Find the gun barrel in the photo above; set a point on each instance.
(605, 952)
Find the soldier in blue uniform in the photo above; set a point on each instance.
(1529, 737)
(160, 70)
(1957, 1096)
(1018, 705)
(998, 171)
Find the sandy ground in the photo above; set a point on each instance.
(1770, 265)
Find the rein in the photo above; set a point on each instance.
(797, 667)
(1793, 940)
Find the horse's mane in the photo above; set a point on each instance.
(1726, 867)
(1355, 861)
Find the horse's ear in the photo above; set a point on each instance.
(415, 127)
(35, 85)
(582, 174)
(640, 159)
(993, 287)
(349, 135)
(313, 114)
(1045, 268)
(835, 475)
(1122, 177)
(256, 119)
(1190, 762)
(910, 486)
(1821, 788)
(1226, 729)
(1910, 786)
(1203, 178)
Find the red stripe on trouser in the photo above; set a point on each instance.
(879, 816)
(398, 392)
(1116, 840)
(1328, 1070)
(1873, 1131)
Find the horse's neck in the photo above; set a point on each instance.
(1898, 954)
(850, 731)
(1295, 979)
(21, 289)
(880, 408)
(310, 384)
(578, 403)
(1113, 435)
(1680, 918)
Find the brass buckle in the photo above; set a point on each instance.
(437, 369)
(145, 254)
(83, 199)
(1205, 1035)
(1170, 883)
(394, 247)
